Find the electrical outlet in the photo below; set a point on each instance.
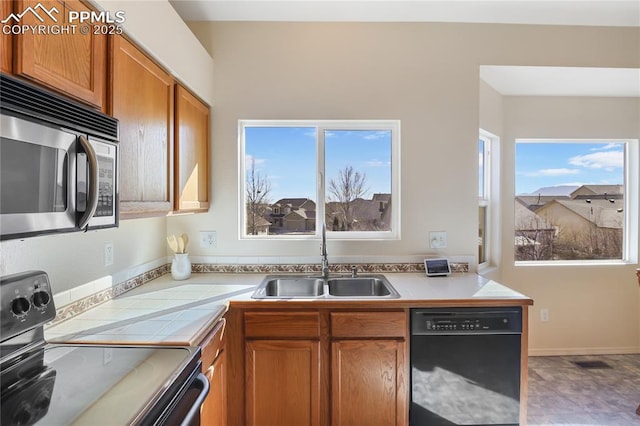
(438, 240)
(544, 314)
(108, 254)
(208, 239)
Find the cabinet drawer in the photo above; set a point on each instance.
(368, 324)
(213, 344)
(282, 324)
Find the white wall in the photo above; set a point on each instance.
(74, 259)
(591, 308)
(426, 75)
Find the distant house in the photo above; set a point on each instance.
(261, 226)
(257, 224)
(587, 224)
(586, 227)
(360, 214)
(534, 202)
(534, 235)
(293, 215)
(598, 191)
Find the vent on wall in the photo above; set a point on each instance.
(593, 365)
(25, 98)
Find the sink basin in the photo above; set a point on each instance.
(290, 286)
(368, 286)
(301, 287)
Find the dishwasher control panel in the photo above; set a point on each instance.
(466, 320)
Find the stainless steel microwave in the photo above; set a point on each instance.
(58, 163)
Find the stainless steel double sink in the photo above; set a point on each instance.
(314, 287)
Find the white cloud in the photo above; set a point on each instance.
(599, 160)
(553, 172)
(377, 135)
(377, 163)
(250, 159)
(611, 145)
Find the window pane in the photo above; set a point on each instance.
(358, 180)
(280, 187)
(569, 200)
(482, 234)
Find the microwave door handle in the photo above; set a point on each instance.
(92, 190)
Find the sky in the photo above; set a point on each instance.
(568, 163)
(286, 155)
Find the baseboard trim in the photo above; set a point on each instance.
(585, 351)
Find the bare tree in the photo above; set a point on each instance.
(535, 239)
(257, 189)
(344, 190)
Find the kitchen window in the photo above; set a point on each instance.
(576, 200)
(483, 197)
(296, 175)
(488, 179)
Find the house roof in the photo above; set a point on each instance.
(526, 219)
(260, 221)
(362, 209)
(599, 190)
(293, 202)
(302, 213)
(602, 213)
(381, 197)
(532, 202)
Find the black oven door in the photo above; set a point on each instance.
(37, 178)
(184, 408)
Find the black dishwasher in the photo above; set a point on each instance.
(465, 366)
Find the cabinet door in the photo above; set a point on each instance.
(368, 383)
(6, 51)
(142, 99)
(213, 356)
(214, 409)
(192, 152)
(282, 382)
(72, 63)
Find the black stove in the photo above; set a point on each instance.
(72, 384)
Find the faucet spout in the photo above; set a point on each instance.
(323, 251)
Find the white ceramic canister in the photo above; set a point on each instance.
(181, 267)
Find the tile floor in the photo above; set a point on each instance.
(561, 393)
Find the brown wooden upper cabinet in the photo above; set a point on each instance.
(142, 98)
(191, 153)
(73, 63)
(6, 51)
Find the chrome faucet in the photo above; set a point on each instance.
(323, 251)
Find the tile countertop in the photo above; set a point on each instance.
(170, 312)
(162, 311)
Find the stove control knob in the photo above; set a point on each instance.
(20, 306)
(41, 299)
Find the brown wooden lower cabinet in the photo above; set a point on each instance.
(283, 382)
(368, 384)
(288, 367)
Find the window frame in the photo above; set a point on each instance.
(490, 199)
(320, 126)
(631, 182)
